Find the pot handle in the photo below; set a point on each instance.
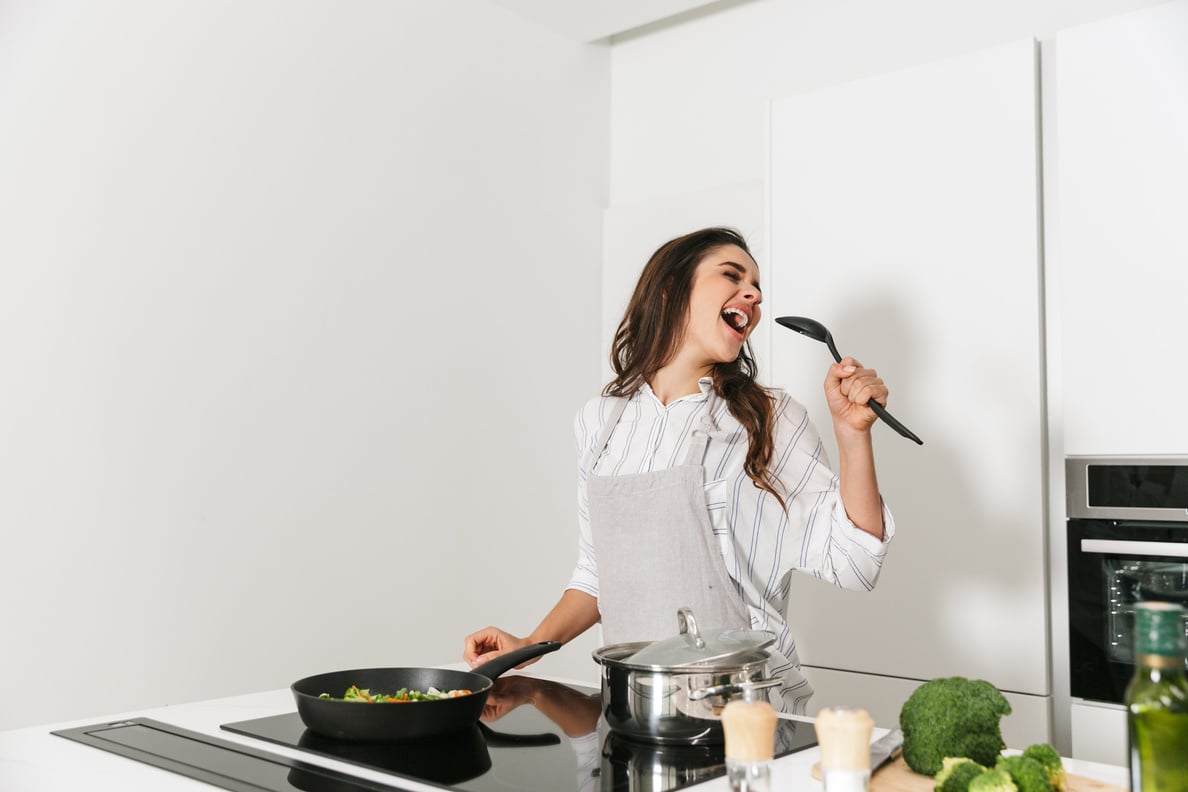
(493, 668)
(735, 687)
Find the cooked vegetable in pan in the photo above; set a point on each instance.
(365, 696)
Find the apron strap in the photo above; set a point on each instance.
(699, 438)
(618, 405)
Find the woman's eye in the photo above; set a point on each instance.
(734, 276)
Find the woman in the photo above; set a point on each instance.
(697, 486)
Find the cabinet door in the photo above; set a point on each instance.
(905, 218)
(1118, 235)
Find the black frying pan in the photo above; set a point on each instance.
(352, 720)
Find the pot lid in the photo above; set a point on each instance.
(692, 647)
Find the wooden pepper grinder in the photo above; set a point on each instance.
(749, 725)
(843, 733)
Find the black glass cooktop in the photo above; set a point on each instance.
(535, 735)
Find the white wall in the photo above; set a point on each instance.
(690, 102)
(297, 302)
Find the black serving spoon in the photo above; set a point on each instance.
(816, 331)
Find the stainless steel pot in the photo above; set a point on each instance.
(675, 704)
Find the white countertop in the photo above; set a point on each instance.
(32, 759)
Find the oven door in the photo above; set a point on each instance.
(1113, 564)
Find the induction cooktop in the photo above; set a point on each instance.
(557, 743)
(534, 736)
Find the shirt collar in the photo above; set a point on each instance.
(705, 386)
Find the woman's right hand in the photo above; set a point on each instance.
(489, 643)
(575, 613)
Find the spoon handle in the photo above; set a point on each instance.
(888, 419)
(879, 410)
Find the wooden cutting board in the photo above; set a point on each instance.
(896, 776)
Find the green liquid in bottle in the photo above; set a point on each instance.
(1157, 701)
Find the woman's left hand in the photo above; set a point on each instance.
(848, 387)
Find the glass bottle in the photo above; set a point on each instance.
(1157, 700)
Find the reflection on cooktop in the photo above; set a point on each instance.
(632, 766)
(535, 736)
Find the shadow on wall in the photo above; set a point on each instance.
(962, 591)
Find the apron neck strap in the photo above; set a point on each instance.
(699, 438)
(618, 405)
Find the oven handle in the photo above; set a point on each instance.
(1115, 547)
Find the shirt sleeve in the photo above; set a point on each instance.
(587, 426)
(813, 536)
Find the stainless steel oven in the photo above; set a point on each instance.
(1127, 542)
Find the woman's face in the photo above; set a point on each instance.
(723, 305)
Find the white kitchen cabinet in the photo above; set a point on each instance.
(904, 216)
(1116, 251)
(1119, 233)
(1099, 732)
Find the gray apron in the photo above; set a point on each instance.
(655, 548)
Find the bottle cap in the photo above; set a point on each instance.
(843, 734)
(1159, 629)
(749, 727)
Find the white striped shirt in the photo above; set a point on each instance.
(761, 544)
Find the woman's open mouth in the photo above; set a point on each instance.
(736, 318)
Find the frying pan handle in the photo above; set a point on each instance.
(497, 739)
(493, 668)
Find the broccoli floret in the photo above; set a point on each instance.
(950, 764)
(956, 773)
(993, 781)
(1028, 774)
(952, 717)
(1046, 755)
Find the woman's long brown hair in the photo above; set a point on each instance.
(654, 326)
